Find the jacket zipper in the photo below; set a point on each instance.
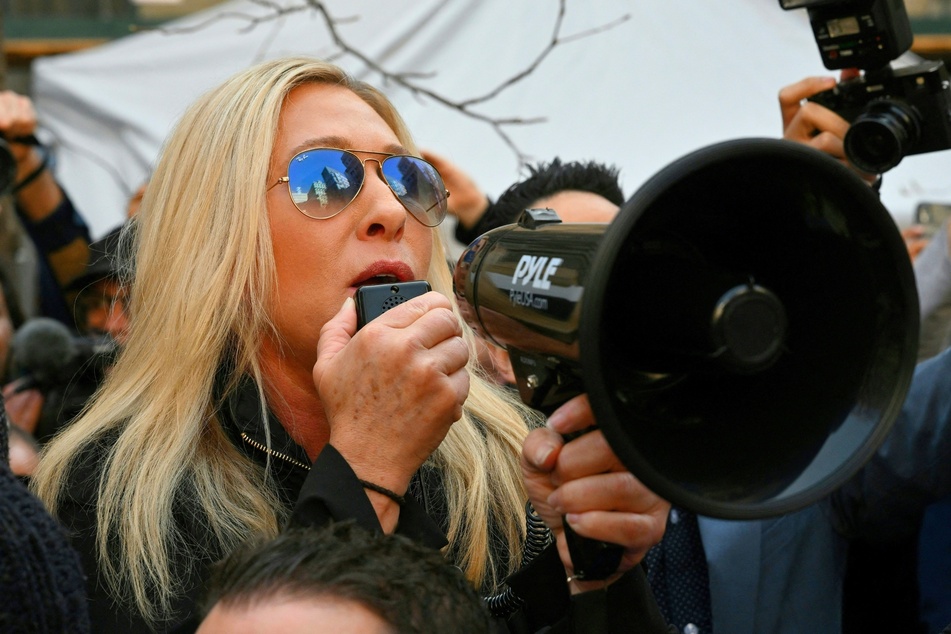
(271, 452)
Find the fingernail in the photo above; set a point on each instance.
(347, 302)
(555, 420)
(555, 503)
(542, 454)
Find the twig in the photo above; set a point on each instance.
(407, 80)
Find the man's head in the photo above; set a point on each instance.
(100, 306)
(350, 579)
(577, 191)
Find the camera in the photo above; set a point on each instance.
(907, 111)
(893, 111)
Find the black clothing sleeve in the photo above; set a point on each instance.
(52, 236)
(626, 606)
(332, 492)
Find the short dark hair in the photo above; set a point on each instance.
(411, 587)
(544, 180)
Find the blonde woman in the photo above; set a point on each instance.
(244, 397)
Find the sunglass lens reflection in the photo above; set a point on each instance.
(418, 186)
(322, 182)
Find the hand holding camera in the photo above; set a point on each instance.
(18, 158)
(807, 123)
(893, 110)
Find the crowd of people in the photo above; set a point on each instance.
(244, 456)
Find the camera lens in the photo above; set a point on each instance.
(882, 135)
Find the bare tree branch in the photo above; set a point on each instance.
(408, 80)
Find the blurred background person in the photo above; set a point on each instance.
(56, 369)
(100, 307)
(906, 579)
(54, 226)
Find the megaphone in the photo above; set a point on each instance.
(746, 328)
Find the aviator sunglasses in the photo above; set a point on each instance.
(322, 182)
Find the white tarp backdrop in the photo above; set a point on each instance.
(676, 75)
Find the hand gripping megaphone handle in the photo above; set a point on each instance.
(592, 559)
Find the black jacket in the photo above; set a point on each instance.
(326, 491)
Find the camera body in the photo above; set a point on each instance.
(893, 111)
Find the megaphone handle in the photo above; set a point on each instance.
(592, 559)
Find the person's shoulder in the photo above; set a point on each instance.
(42, 575)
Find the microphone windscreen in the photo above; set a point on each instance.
(43, 348)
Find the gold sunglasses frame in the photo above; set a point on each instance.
(363, 162)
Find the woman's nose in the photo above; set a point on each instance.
(383, 214)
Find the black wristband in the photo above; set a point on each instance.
(399, 499)
(32, 176)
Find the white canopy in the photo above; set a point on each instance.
(669, 77)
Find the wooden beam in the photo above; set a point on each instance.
(934, 44)
(22, 52)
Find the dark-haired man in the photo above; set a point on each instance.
(341, 578)
(580, 191)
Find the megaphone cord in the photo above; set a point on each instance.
(537, 538)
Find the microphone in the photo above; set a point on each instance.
(47, 355)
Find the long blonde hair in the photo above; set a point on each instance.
(204, 269)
